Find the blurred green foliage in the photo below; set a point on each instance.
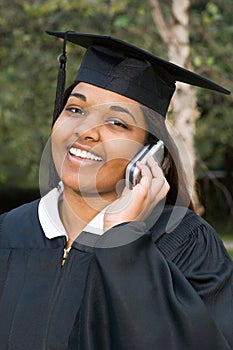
(28, 63)
(212, 53)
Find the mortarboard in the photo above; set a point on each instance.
(123, 68)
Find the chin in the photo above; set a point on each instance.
(101, 189)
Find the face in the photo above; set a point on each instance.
(94, 138)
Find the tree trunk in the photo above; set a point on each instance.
(183, 104)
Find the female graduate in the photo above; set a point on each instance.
(108, 260)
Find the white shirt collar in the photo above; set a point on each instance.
(50, 219)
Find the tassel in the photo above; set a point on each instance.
(61, 80)
(58, 104)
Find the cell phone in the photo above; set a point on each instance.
(133, 174)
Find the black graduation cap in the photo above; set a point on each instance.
(123, 68)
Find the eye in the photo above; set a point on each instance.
(117, 123)
(75, 110)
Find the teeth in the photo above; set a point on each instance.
(84, 154)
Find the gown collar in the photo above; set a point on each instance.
(50, 219)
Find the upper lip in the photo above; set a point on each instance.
(84, 148)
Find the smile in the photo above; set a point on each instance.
(83, 154)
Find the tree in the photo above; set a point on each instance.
(184, 108)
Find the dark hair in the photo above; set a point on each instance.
(171, 166)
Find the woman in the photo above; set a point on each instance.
(140, 270)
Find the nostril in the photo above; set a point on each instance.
(89, 134)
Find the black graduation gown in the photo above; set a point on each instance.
(172, 292)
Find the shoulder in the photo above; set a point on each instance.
(180, 226)
(19, 223)
(25, 210)
(197, 251)
(186, 238)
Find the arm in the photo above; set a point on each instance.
(200, 255)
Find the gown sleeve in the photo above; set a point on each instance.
(137, 299)
(198, 252)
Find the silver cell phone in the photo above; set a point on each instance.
(133, 175)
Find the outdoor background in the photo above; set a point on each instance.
(28, 64)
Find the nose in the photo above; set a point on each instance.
(90, 129)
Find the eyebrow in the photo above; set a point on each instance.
(80, 96)
(113, 108)
(123, 110)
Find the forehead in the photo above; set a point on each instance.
(100, 95)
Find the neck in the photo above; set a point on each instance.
(77, 210)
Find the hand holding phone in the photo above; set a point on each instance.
(136, 203)
(133, 174)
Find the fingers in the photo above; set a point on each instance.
(154, 167)
(150, 170)
(160, 188)
(159, 181)
(153, 179)
(146, 174)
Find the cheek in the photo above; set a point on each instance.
(102, 179)
(114, 168)
(60, 134)
(109, 176)
(121, 149)
(119, 153)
